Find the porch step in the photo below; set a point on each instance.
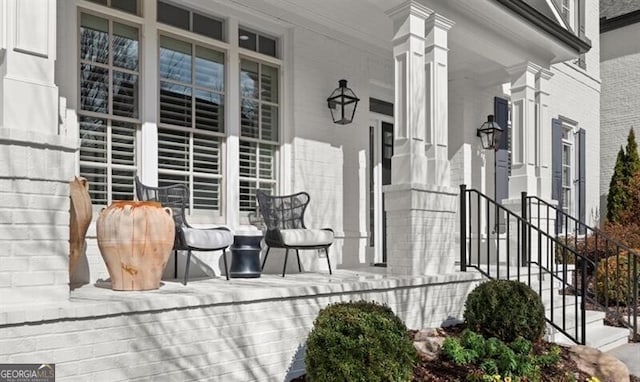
(593, 318)
(601, 337)
(598, 335)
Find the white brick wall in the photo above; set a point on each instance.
(34, 229)
(247, 340)
(620, 103)
(327, 158)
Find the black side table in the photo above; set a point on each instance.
(245, 256)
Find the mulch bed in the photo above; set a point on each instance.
(441, 370)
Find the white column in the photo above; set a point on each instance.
(420, 205)
(37, 162)
(523, 119)
(409, 162)
(543, 133)
(437, 128)
(149, 111)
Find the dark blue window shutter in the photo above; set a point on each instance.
(582, 205)
(501, 112)
(556, 167)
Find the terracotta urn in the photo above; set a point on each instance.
(135, 240)
(80, 215)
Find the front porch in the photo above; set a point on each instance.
(212, 329)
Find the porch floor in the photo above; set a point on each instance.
(98, 299)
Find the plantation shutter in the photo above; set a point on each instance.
(501, 111)
(556, 167)
(581, 179)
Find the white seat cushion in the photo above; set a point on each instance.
(208, 238)
(306, 237)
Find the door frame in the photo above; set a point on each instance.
(377, 247)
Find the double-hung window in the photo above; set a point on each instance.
(191, 128)
(259, 126)
(108, 114)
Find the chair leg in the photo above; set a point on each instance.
(226, 268)
(298, 256)
(265, 257)
(286, 257)
(326, 251)
(186, 267)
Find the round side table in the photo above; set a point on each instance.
(245, 255)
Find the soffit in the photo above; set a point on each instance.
(486, 38)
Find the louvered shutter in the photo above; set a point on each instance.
(556, 168)
(501, 111)
(582, 206)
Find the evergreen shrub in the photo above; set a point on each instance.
(505, 309)
(359, 341)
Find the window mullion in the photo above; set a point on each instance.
(108, 168)
(193, 125)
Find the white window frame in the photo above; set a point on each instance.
(190, 174)
(261, 60)
(148, 113)
(568, 12)
(109, 116)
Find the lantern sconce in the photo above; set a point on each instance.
(490, 134)
(342, 104)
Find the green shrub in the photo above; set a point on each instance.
(359, 341)
(505, 309)
(495, 357)
(614, 279)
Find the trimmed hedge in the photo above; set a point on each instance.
(505, 309)
(359, 341)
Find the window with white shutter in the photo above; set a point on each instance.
(259, 128)
(108, 113)
(191, 128)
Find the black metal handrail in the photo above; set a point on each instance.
(583, 238)
(495, 229)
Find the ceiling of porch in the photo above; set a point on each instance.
(486, 37)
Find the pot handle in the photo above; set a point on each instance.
(168, 210)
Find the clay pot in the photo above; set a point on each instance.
(79, 220)
(135, 240)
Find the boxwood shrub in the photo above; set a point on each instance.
(359, 341)
(505, 309)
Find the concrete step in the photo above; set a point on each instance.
(601, 337)
(598, 335)
(568, 322)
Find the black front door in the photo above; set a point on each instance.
(387, 153)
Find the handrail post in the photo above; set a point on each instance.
(583, 295)
(463, 227)
(525, 220)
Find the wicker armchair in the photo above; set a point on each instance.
(284, 219)
(187, 238)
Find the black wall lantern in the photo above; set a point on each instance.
(490, 134)
(342, 104)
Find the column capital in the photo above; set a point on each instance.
(410, 7)
(542, 81)
(525, 67)
(436, 20)
(544, 74)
